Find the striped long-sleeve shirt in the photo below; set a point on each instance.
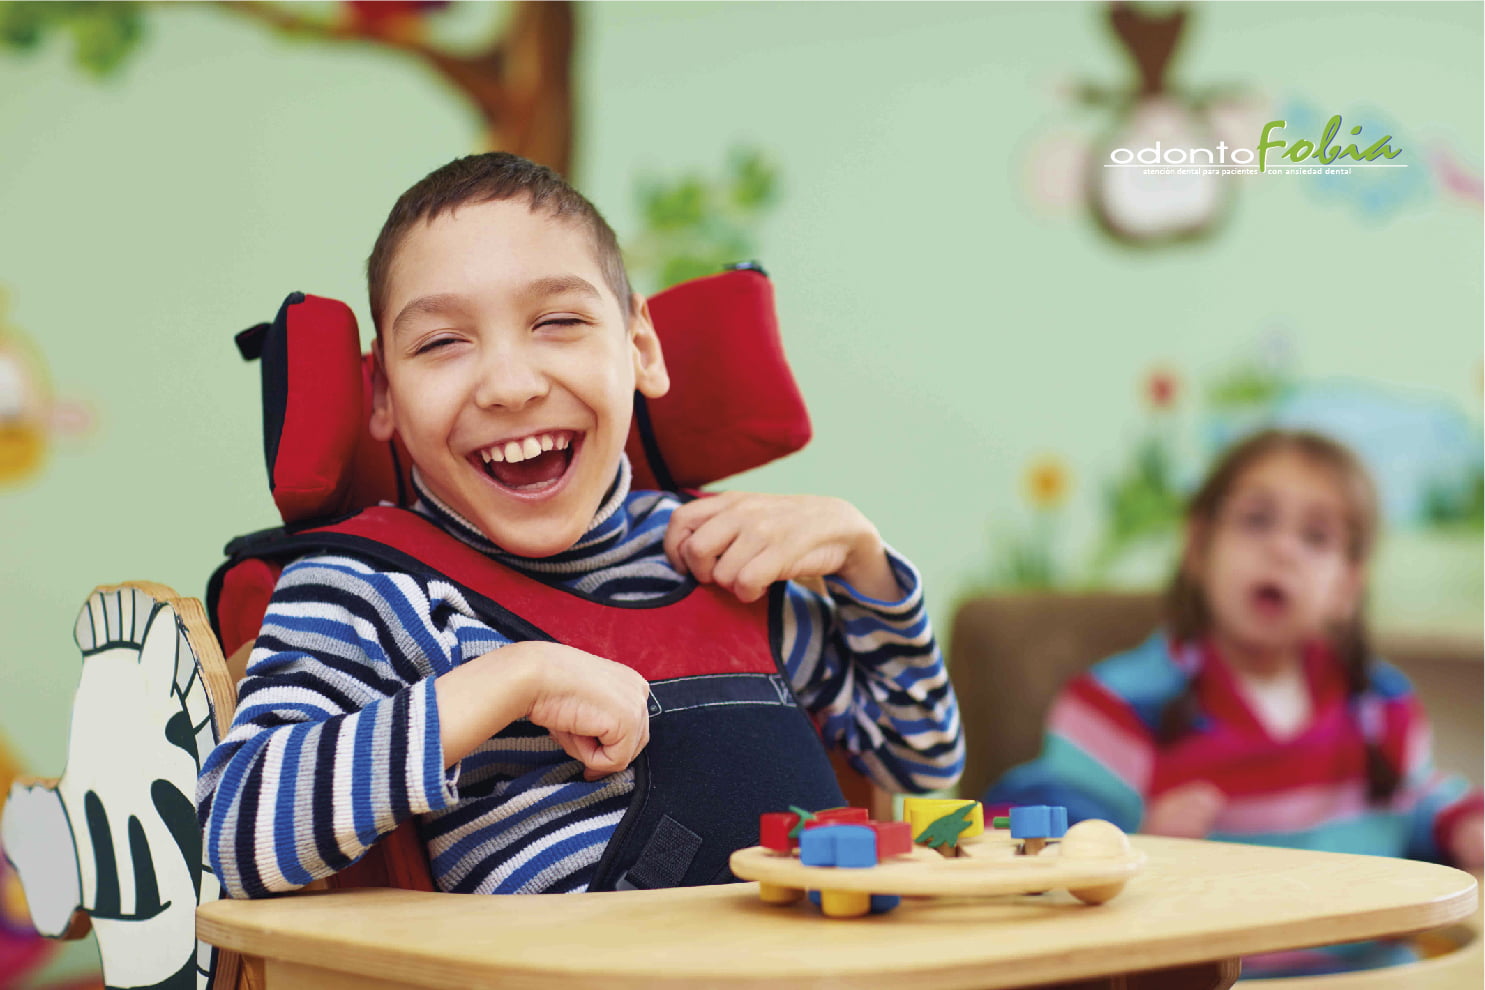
(1101, 759)
(336, 737)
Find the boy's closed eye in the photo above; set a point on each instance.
(563, 324)
(557, 325)
(433, 344)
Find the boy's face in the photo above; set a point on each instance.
(507, 368)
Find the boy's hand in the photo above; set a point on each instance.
(745, 542)
(1185, 812)
(597, 710)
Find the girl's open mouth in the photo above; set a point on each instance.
(530, 465)
(1270, 599)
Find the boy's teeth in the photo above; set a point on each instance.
(516, 451)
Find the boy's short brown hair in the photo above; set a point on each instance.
(494, 175)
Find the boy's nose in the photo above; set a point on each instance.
(508, 379)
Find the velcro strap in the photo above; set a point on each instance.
(706, 690)
(665, 859)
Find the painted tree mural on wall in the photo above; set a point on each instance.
(694, 224)
(519, 80)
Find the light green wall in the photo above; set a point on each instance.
(947, 332)
(944, 330)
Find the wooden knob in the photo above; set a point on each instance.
(1095, 839)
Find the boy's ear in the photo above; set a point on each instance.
(382, 425)
(650, 375)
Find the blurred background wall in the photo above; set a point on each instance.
(1017, 396)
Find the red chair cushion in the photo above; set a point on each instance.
(242, 601)
(733, 403)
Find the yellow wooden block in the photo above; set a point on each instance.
(772, 893)
(922, 812)
(844, 903)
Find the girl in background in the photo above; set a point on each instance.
(1258, 714)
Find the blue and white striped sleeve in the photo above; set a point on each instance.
(871, 674)
(335, 740)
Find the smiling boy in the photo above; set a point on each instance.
(509, 348)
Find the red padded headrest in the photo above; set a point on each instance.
(733, 403)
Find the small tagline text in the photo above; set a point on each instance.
(1244, 171)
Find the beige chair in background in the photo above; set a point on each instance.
(1008, 655)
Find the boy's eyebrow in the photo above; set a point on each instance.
(556, 285)
(540, 288)
(423, 305)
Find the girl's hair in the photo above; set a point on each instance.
(1188, 619)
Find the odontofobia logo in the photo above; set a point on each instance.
(1325, 154)
(1301, 150)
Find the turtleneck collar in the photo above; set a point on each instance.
(608, 529)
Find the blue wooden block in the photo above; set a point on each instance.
(1032, 821)
(882, 903)
(855, 846)
(814, 896)
(1039, 821)
(817, 847)
(851, 846)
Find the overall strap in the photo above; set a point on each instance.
(695, 631)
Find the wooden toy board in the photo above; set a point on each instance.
(986, 865)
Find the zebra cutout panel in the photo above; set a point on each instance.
(115, 841)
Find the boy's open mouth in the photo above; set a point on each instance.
(532, 464)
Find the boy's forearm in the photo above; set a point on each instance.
(479, 698)
(908, 744)
(868, 666)
(275, 819)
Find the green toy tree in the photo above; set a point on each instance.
(944, 832)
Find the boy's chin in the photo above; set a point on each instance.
(533, 538)
(533, 545)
